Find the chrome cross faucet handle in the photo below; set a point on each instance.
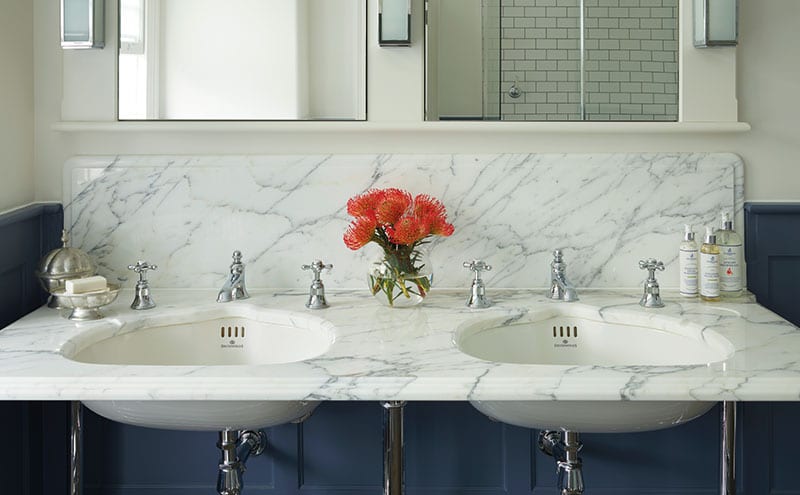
(316, 294)
(234, 287)
(652, 294)
(142, 299)
(560, 288)
(477, 297)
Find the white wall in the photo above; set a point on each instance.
(768, 83)
(16, 103)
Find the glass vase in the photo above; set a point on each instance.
(400, 281)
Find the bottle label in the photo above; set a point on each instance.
(730, 268)
(688, 265)
(709, 275)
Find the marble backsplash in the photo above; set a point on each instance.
(188, 213)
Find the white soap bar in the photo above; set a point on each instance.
(87, 284)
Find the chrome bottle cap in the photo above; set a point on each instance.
(688, 233)
(711, 238)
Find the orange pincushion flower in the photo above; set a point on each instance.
(425, 205)
(365, 203)
(360, 232)
(394, 204)
(432, 215)
(393, 217)
(406, 231)
(438, 226)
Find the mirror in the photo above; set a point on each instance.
(552, 60)
(242, 60)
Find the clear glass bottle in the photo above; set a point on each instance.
(709, 267)
(688, 258)
(730, 259)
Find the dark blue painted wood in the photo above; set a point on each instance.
(772, 253)
(772, 430)
(26, 235)
(15, 475)
(341, 449)
(450, 449)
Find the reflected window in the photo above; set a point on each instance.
(242, 60)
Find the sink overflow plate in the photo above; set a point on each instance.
(565, 332)
(233, 333)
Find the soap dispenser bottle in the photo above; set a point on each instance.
(688, 259)
(709, 267)
(730, 258)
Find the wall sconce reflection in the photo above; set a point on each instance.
(82, 24)
(394, 23)
(716, 23)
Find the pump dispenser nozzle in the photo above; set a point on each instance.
(711, 238)
(727, 224)
(688, 233)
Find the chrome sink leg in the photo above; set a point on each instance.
(236, 448)
(76, 449)
(393, 447)
(728, 464)
(565, 452)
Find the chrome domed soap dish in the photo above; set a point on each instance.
(86, 306)
(60, 265)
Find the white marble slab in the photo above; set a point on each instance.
(405, 354)
(187, 214)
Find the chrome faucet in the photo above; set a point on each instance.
(560, 288)
(142, 298)
(477, 298)
(651, 298)
(234, 286)
(316, 294)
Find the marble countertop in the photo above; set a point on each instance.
(405, 354)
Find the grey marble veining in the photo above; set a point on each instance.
(187, 214)
(410, 354)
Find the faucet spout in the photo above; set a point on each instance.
(234, 287)
(560, 287)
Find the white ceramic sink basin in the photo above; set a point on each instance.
(226, 340)
(236, 335)
(575, 335)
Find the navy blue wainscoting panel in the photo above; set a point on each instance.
(772, 252)
(26, 235)
(15, 457)
(772, 430)
(451, 449)
(772, 436)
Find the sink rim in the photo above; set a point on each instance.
(113, 328)
(617, 315)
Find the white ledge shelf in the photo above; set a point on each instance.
(409, 127)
